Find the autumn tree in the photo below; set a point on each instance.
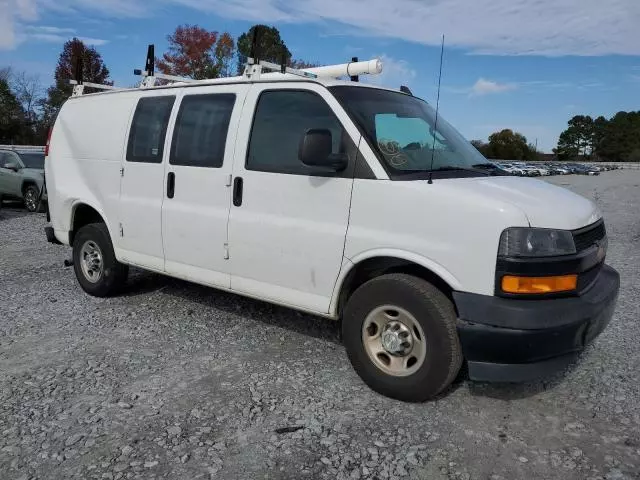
(93, 70)
(224, 53)
(197, 53)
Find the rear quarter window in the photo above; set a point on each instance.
(148, 129)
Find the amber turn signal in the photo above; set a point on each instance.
(562, 283)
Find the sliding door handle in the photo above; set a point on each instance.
(237, 191)
(171, 184)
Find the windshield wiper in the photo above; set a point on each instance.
(491, 168)
(485, 165)
(450, 168)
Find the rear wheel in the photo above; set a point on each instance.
(94, 261)
(31, 196)
(400, 336)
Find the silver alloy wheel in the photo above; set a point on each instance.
(91, 261)
(394, 340)
(31, 199)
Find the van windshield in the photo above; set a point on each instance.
(402, 130)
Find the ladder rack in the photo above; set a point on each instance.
(253, 70)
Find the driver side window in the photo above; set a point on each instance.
(281, 119)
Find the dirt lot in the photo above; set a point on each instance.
(173, 380)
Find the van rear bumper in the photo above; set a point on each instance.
(511, 340)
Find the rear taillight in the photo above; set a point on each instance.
(46, 147)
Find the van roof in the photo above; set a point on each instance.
(274, 77)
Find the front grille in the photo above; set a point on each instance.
(588, 236)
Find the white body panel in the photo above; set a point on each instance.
(141, 197)
(194, 221)
(83, 167)
(415, 221)
(294, 238)
(287, 237)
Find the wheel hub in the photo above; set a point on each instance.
(397, 339)
(91, 261)
(394, 340)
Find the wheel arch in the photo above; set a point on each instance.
(82, 214)
(28, 182)
(368, 265)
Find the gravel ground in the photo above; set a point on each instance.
(174, 380)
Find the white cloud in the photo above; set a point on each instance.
(500, 27)
(484, 87)
(10, 11)
(395, 72)
(93, 42)
(47, 29)
(51, 34)
(44, 37)
(517, 27)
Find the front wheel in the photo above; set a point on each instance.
(94, 261)
(400, 335)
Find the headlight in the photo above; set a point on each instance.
(535, 242)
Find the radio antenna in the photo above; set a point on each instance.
(435, 126)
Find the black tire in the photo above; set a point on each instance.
(31, 195)
(436, 315)
(114, 274)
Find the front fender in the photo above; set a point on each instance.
(349, 264)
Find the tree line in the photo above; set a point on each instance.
(27, 109)
(586, 139)
(616, 139)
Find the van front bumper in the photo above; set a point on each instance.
(512, 340)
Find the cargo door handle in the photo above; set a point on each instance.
(171, 184)
(237, 191)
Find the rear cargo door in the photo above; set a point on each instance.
(197, 191)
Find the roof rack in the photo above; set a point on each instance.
(253, 70)
(79, 84)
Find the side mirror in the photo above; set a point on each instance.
(315, 150)
(11, 166)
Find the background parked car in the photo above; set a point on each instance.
(22, 177)
(536, 169)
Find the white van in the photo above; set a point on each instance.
(340, 199)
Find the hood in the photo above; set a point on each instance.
(544, 204)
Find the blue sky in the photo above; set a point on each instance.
(528, 65)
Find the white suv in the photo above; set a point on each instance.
(339, 199)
